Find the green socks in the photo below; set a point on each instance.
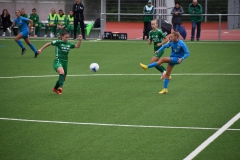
(61, 80)
(160, 68)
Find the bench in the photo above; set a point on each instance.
(94, 34)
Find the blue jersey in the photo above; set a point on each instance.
(22, 23)
(179, 49)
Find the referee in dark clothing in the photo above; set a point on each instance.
(78, 9)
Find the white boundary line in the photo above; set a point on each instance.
(110, 125)
(89, 75)
(212, 138)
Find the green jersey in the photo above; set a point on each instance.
(62, 49)
(157, 37)
(34, 18)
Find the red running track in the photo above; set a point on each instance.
(209, 30)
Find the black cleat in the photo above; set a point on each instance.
(192, 39)
(23, 51)
(36, 54)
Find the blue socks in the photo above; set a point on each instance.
(166, 81)
(33, 48)
(154, 64)
(20, 44)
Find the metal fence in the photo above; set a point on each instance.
(217, 30)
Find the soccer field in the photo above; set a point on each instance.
(117, 112)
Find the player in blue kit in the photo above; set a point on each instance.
(24, 28)
(178, 54)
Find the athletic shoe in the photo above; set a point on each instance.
(164, 91)
(4, 34)
(45, 35)
(36, 54)
(145, 67)
(56, 91)
(192, 39)
(60, 90)
(23, 51)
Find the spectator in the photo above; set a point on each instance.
(78, 9)
(148, 9)
(61, 22)
(23, 14)
(177, 12)
(35, 18)
(70, 24)
(6, 22)
(51, 23)
(195, 8)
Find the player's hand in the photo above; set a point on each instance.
(179, 60)
(31, 29)
(36, 25)
(156, 52)
(159, 44)
(80, 37)
(39, 51)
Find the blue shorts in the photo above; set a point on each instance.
(174, 61)
(24, 34)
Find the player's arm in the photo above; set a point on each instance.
(163, 47)
(79, 41)
(30, 25)
(44, 46)
(186, 51)
(13, 24)
(150, 38)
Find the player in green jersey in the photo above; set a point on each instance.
(158, 38)
(61, 22)
(51, 23)
(70, 24)
(35, 18)
(23, 14)
(60, 63)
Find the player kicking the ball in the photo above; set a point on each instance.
(60, 63)
(178, 54)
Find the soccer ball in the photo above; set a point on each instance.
(94, 67)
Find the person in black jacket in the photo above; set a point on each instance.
(6, 22)
(78, 9)
(177, 12)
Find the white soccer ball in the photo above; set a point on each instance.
(94, 67)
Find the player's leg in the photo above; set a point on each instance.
(158, 63)
(46, 30)
(82, 29)
(75, 28)
(17, 39)
(167, 78)
(198, 30)
(26, 39)
(193, 31)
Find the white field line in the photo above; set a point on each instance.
(90, 75)
(212, 138)
(111, 125)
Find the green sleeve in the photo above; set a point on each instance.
(163, 34)
(56, 20)
(48, 19)
(200, 10)
(67, 21)
(190, 9)
(72, 45)
(55, 43)
(37, 18)
(153, 10)
(150, 36)
(144, 10)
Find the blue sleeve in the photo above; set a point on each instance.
(173, 10)
(164, 46)
(186, 51)
(24, 19)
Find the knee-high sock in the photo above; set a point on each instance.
(154, 64)
(166, 81)
(61, 80)
(57, 85)
(160, 68)
(32, 47)
(163, 68)
(20, 44)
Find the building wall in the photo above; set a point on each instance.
(233, 8)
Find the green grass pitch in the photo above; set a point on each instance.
(118, 112)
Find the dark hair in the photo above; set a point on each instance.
(34, 9)
(64, 33)
(5, 10)
(177, 3)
